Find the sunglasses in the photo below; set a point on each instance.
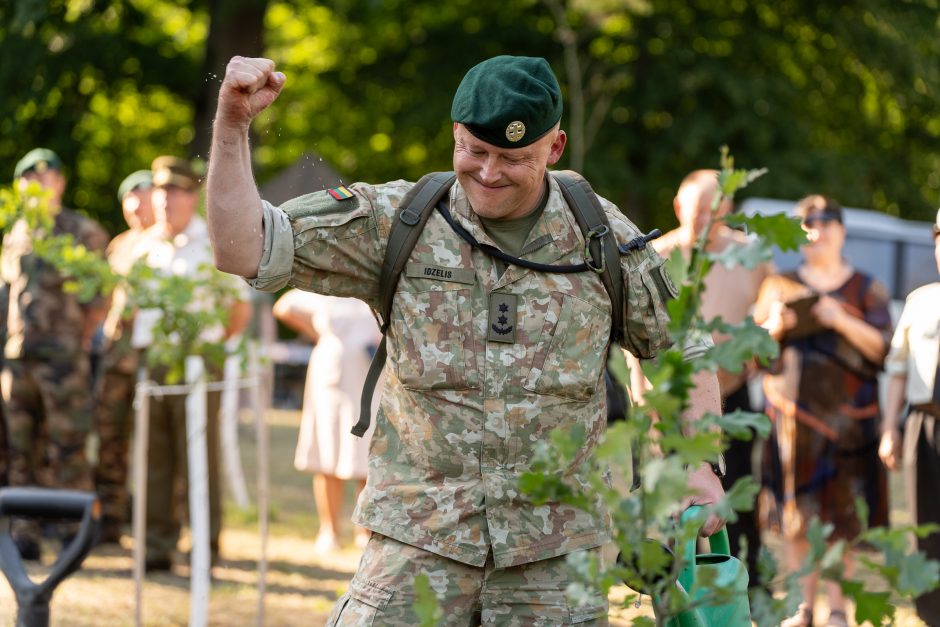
(818, 219)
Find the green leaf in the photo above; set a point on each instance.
(778, 229)
(693, 449)
(741, 425)
(426, 606)
(917, 574)
(869, 606)
(750, 255)
(749, 341)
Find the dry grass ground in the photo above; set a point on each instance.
(301, 585)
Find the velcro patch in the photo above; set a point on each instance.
(340, 193)
(502, 322)
(455, 275)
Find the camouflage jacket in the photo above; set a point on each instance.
(43, 321)
(481, 365)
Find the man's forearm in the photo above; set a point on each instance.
(704, 397)
(233, 205)
(894, 402)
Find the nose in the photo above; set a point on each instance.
(489, 171)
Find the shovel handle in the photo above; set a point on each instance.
(45, 503)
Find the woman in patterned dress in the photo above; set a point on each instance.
(834, 327)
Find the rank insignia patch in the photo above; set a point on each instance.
(340, 193)
(502, 318)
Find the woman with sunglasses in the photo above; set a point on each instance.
(834, 327)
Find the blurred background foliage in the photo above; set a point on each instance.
(838, 98)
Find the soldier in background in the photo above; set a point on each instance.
(179, 244)
(46, 379)
(114, 393)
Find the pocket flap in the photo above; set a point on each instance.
(370, 593)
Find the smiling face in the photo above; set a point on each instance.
(504, 183)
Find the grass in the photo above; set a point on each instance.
(302, 586)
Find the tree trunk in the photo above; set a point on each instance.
(235, 28)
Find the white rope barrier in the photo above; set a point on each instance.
(228, 431)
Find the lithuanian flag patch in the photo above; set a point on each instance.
(340, 193)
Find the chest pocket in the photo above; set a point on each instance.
(571, 350)
(432, 332)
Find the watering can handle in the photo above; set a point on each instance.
(718, 543)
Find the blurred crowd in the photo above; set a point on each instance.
(832, 441)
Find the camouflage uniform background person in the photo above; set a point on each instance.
(46, 379)
(178, 244)
(114, 393)
(484, 358)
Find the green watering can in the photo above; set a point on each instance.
(728, 572)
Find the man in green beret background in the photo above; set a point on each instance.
(114, 389)
(46, 379)
(485, 357)
(178, 244)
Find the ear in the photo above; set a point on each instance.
(557, 147)
(455, 130)
(676, 208)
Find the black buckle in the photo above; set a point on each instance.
(596, 232)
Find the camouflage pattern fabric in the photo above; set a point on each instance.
(46, 379)
(114, 400)
(383, 592)
(43, 322)
(461, 416)
(49, 414)
(114, 393)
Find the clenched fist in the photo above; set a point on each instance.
(249, 87)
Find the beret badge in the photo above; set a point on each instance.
(515, 131)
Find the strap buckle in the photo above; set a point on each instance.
(596, 232)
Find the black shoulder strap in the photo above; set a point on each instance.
(412, 215)
(591, 218)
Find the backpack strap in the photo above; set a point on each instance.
(599, 242)
(412, 215)
(602, 255)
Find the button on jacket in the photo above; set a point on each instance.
(482, 365)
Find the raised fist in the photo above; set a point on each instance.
(249, 87)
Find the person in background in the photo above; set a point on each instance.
(178, 243)
(730, 294)
(346, 336)
(834, 325)
(114, 389)
(913, 364)
(46, 377)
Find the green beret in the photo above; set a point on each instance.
(38, 159)
(507, 101)
(135, 180)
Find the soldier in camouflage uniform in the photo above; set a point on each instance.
(114, 395)
(484, 359)
(46, 379)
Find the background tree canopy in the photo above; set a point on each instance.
(837, 98)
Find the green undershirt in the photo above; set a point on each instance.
(510, 235)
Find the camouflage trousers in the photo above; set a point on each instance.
(48, 415)
(383, 593)
(114, 421)
(167, 472)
